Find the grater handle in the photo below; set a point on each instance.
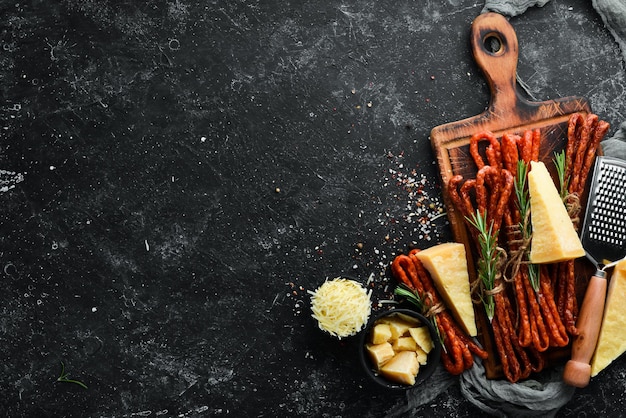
(577, 371)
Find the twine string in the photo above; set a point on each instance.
(572, 203)
(477, 286)
(433, 308)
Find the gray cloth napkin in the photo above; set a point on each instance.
(541, 397)
(546, 394)
(511, 7)
(616, 145)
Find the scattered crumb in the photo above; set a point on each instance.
(411, 213)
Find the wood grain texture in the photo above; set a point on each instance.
(495, 49)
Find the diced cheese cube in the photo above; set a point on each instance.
(612, 338)
(402, 368)
(404, 344)
(380, 353)
(447, 265)
(399, 325)
(421, 336)
(380, 333)
(422, 356)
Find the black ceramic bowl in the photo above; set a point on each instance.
(425, 371)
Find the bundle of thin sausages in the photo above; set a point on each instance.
(491, 194)
(584, 134)
(528, 319)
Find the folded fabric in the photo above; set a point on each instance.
(512, 7)
(616, 145)
(529, 398)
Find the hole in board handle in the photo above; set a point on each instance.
(493, 44)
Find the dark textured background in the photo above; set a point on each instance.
(192, 168)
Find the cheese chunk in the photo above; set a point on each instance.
(380, 353)
(422, 356)
(399, 324)
(422, 338)
(447, 266)
(381, 333)
(612, 339)
(554, 238)
(402, 368)
(404, 344)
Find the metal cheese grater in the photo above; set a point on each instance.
(604, 228)
(604, 240)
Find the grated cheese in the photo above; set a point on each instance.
(341, 307)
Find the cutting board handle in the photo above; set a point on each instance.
(495, 49)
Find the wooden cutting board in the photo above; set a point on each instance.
(495, 49)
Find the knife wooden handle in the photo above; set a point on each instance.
(577, 371)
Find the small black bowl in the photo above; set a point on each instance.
(425, 371)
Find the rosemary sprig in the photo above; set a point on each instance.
(414, 298)
(523, 204)
(487, 260)
(559, 162)
(521, 191)
(63, 378)
(411, 296)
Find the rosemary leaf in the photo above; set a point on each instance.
(521, 191)
(63, 378)
(411, 296)
(533, 276)
(559, 162)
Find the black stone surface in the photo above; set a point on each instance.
(192, 168)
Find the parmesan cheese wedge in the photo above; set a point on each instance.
(612, 339)
(554, 238)
(447, 265)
